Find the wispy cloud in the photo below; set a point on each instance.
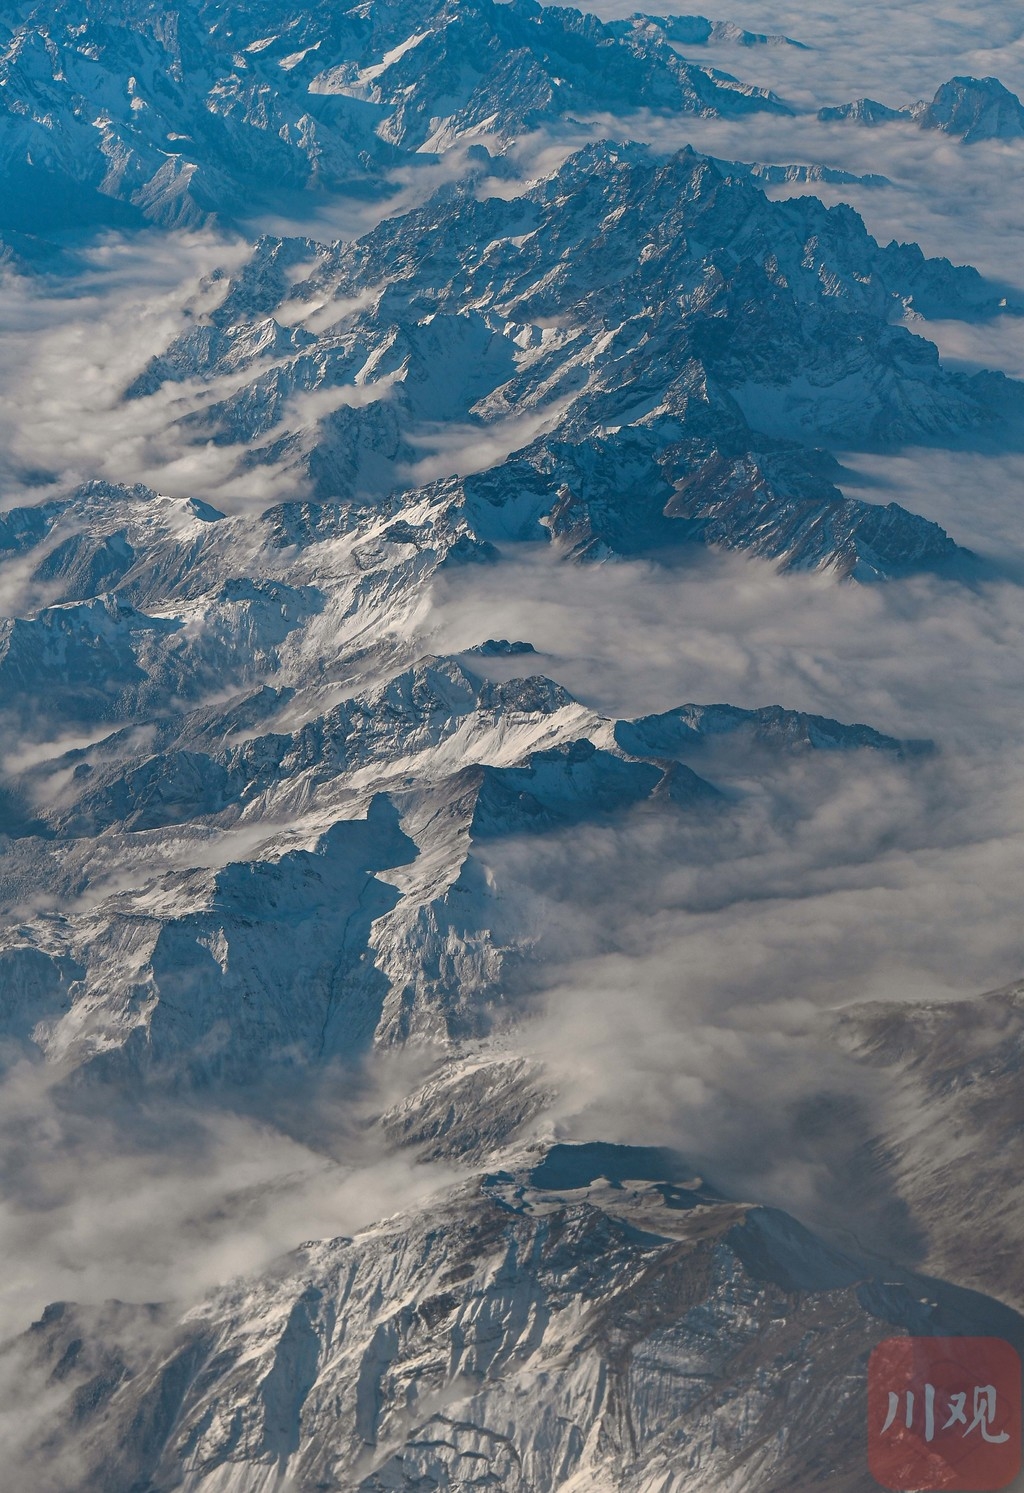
(690, 963)
(163, 1200)
(693, 964)
(71, 347)
(462, 449)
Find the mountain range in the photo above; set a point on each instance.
(972, 109)
(286, 836)
(681, 340)
(120, 114)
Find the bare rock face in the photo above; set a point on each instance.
(470, 1109)
(682, 385)
(971, 109)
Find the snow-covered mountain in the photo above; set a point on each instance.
(426, 760)
(303, 825)
(119, 114)
(656, 316)
(970, 108)
(590, 1317)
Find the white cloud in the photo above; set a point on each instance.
(690, 963)
(896, 54)
(164, 1200)
(70, 349)
(464, 449)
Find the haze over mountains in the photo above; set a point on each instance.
(510, 770)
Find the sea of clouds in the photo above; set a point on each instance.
(689, 966)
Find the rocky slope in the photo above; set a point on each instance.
(971, 109)
(951, 1127)
(255, 682)
(117, 114)
(272, 844)
(591, 1317)
(681, 340)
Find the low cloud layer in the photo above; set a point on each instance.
(921, 657)
(690, 962)
(108, 1198)
(72, 346)
(894, 54)
(694, 970)
(693, 964)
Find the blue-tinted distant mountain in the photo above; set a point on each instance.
(118, 114)
(972, 109)
(683, 338)
(501, 648)
(696, 31)
(866, 111)
(696, 726)
(780, 175)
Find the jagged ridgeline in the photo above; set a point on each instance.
(289, 840)
(122, 114)
(592, 1317)
(680, 340)
(971, 109)
(216, 687)
(127, 113)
